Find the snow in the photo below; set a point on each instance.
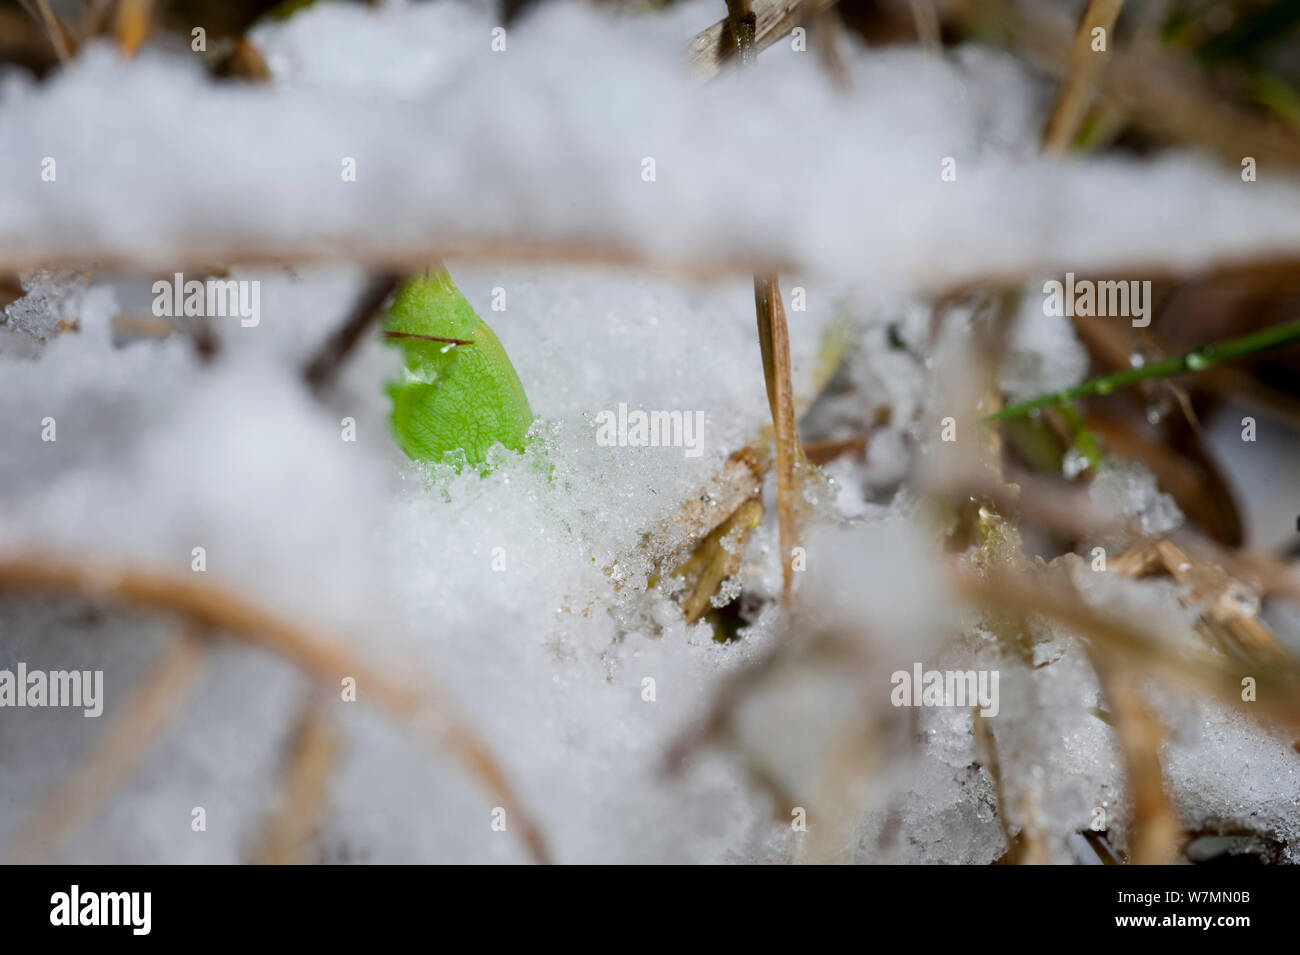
(1043, 353)
(522, 595)
(1129, 493)
(450, 139)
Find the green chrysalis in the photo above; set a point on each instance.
(458, 390)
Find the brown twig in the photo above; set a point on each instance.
(984, 736)
(309, 762)
(926, 19)
(324, 366)
(824, 452)
(717, 558)
(1226, 608)
(197, 253)
(713, 48)
(1085, 65)
(131, 24)
(716, 723)
(61, 37)
(1019, 595)
(1034, 848)
(430, 338)
(828, 30)
(1154, 832)
(95, 19)
(774, 343)
(244, 61)
(1162, 95)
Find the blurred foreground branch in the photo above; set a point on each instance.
(413, 705)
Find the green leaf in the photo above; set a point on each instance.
(459, 393)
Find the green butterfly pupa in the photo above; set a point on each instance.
(458, 391)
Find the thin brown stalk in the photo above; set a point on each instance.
(196, 253)
(61, 38)
(824, 452)
(740, 479)
(430, 338)
(926, 19)
(244, 62)
(716, 723)
(828, 29)
(1153, 835)
(744, 29)
(1235, 384)
(324, 366)
(95, 19)
(1018, 595)
(1034, 846)
(153, 701)
(1226, 611)
(713, 48)
(309, 763)
(774, 343)
(131, 24)
(717, 558)
(984, 736)
(1058, 507)
(1163, 94)
(1085, 66)
(852, 753)
(1170, 104)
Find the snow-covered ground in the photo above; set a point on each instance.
(498, 589)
